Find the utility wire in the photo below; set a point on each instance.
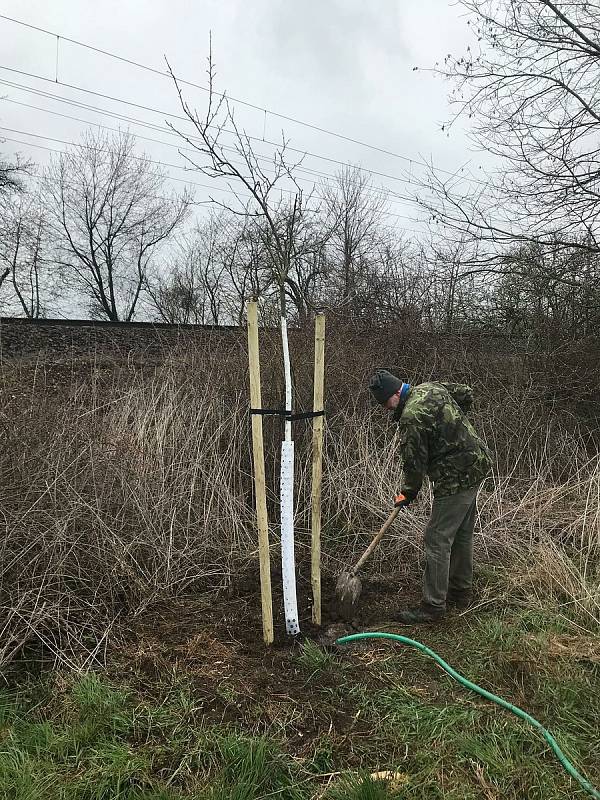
(328, 177)
(183, 118)
(59, 152)
(169, 131)
(186, 119)
(185, 82)
(39, 178)
(152, 161)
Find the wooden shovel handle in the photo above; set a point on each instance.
(393, 514)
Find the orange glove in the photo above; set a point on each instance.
(400, 501)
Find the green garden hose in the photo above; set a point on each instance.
(488, 696)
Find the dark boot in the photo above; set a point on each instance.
(420, 614)
(460, 599)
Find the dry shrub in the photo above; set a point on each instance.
(552, 534)
(115, 495)
(123, 484)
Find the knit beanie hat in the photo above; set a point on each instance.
(383, 385)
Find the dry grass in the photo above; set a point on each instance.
(122, 486)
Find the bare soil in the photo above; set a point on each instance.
(214, 643)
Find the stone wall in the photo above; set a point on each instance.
(56, 339)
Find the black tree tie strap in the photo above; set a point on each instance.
(305, 415)
(289, 416)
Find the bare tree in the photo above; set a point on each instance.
(548, 292)
(11, 181)
(176, 299)
(531, 93)
(354, 215)
(12, 174)
(195, 286)
(109, 219)
(216, 268)
(401, 292)
(259, 187)
(23, 253)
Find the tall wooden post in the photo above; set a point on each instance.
(260, 489)
(317, 467)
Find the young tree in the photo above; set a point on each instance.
(109, 217)
(279, 223)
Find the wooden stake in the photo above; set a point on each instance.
(260, 489)
(317, 467)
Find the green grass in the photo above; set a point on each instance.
(362, 787)
(316, 661)
(393, 711)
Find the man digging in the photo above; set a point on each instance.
(437, 439)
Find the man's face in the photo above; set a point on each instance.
(392, 402)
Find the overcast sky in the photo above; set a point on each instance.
(344, 65)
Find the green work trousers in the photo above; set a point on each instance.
(449, 547)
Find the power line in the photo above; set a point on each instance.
(185, 82)
(384, 191)
(169, 177)
(169, 131)
(158, 163)
(57, 151)
(152, 161)
(137, 158)
(162, 197)
(185, 119)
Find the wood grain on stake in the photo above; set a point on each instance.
(317, 467)
(259, 475)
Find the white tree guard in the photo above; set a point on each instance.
(288, 376)
(288, 561)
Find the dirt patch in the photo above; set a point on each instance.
(217, 625)
(214, 644)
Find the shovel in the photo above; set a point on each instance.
(349, 585)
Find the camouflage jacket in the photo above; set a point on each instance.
(437, 439)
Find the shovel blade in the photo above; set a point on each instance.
(347, 590)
